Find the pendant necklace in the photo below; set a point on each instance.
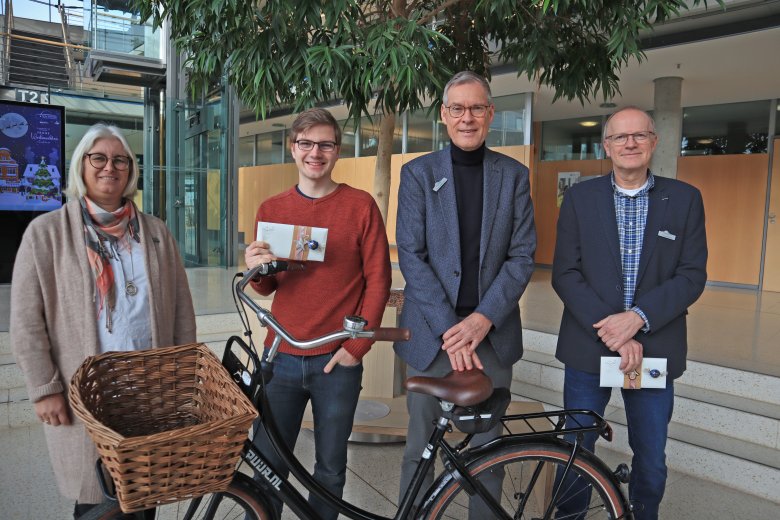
(130, 288)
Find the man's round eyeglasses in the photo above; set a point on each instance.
(324, 146)
(98, 160)
(639, 137)
(459, 110)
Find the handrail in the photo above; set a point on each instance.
(47, 42)
(64, 27)
(9, 25)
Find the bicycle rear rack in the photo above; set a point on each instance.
(543, 424)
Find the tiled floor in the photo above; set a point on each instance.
(729, 326)
(28, 492)
(736, 328)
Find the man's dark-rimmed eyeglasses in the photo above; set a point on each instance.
(639, 138)
(459, 110)
(99, 160)
(307, 146)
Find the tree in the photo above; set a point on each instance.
(42, 183)
(391, 56)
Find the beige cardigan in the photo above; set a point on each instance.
(54, 323)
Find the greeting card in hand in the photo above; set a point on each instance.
(292, 242)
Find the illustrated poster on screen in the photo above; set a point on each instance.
(31, 156)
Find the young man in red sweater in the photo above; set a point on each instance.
(353, 279)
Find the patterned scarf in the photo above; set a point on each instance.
(102, 231)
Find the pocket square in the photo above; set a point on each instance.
(666, 234)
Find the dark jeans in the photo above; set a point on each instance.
(648, 412)
(334, 398)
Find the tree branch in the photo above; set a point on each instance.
(430, 16)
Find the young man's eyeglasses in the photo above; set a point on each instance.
(639, 138)
(98, 160)
(459, 110)
(324, 146)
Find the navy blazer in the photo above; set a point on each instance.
(588, 273)
(428, 239)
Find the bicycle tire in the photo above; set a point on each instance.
(449, 500)
(242, 500)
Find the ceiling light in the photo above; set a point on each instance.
(589, 123)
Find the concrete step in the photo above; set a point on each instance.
(16, 410)
(733, 439)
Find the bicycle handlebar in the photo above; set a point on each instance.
(353, 325)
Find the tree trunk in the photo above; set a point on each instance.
(384, 154)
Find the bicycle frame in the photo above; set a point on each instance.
(253, 373)
(453, 456)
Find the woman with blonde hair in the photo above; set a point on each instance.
(97, 275)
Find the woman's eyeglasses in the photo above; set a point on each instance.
(98, 160)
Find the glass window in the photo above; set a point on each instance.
(422, 131)
(777, 119)
(369, 136)
(246, 151)
(347, 139)
(272, 148)
(572, 139)
(733, 128)
(508, 126)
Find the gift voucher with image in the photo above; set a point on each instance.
(652, 374)
(293, 242)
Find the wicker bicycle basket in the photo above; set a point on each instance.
(169, 423)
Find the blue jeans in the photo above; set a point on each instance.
(334, 397)
(648, 412)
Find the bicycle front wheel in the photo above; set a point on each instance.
(522, 476)
(240, 501)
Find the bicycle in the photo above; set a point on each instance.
(529, 461)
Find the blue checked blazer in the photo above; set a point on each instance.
(427, 235)
(587, 270)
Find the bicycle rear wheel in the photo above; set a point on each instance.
(240, 501)
(529, 476)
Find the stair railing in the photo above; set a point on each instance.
(5, 61)
(66, 41)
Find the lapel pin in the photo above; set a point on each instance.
(439, 184)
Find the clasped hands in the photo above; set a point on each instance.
(617, 333)
(462, 339)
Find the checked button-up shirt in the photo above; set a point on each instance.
(631, 213)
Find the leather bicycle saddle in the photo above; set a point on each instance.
(465, 388)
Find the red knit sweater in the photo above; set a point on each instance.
(353, 279)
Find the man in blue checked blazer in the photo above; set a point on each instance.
(466, 241)
(630, 258)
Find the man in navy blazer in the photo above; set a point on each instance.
(466, 241)
(630, 258)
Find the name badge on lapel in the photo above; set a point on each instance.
(665, 234)
(437, 186)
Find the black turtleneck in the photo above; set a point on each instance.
(468, 173)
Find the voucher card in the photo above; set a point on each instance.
(651, 375)
(292, 242)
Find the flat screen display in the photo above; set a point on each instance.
(32, 144)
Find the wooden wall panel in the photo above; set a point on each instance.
(734, 190)
(257, 183)
(546, 199)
